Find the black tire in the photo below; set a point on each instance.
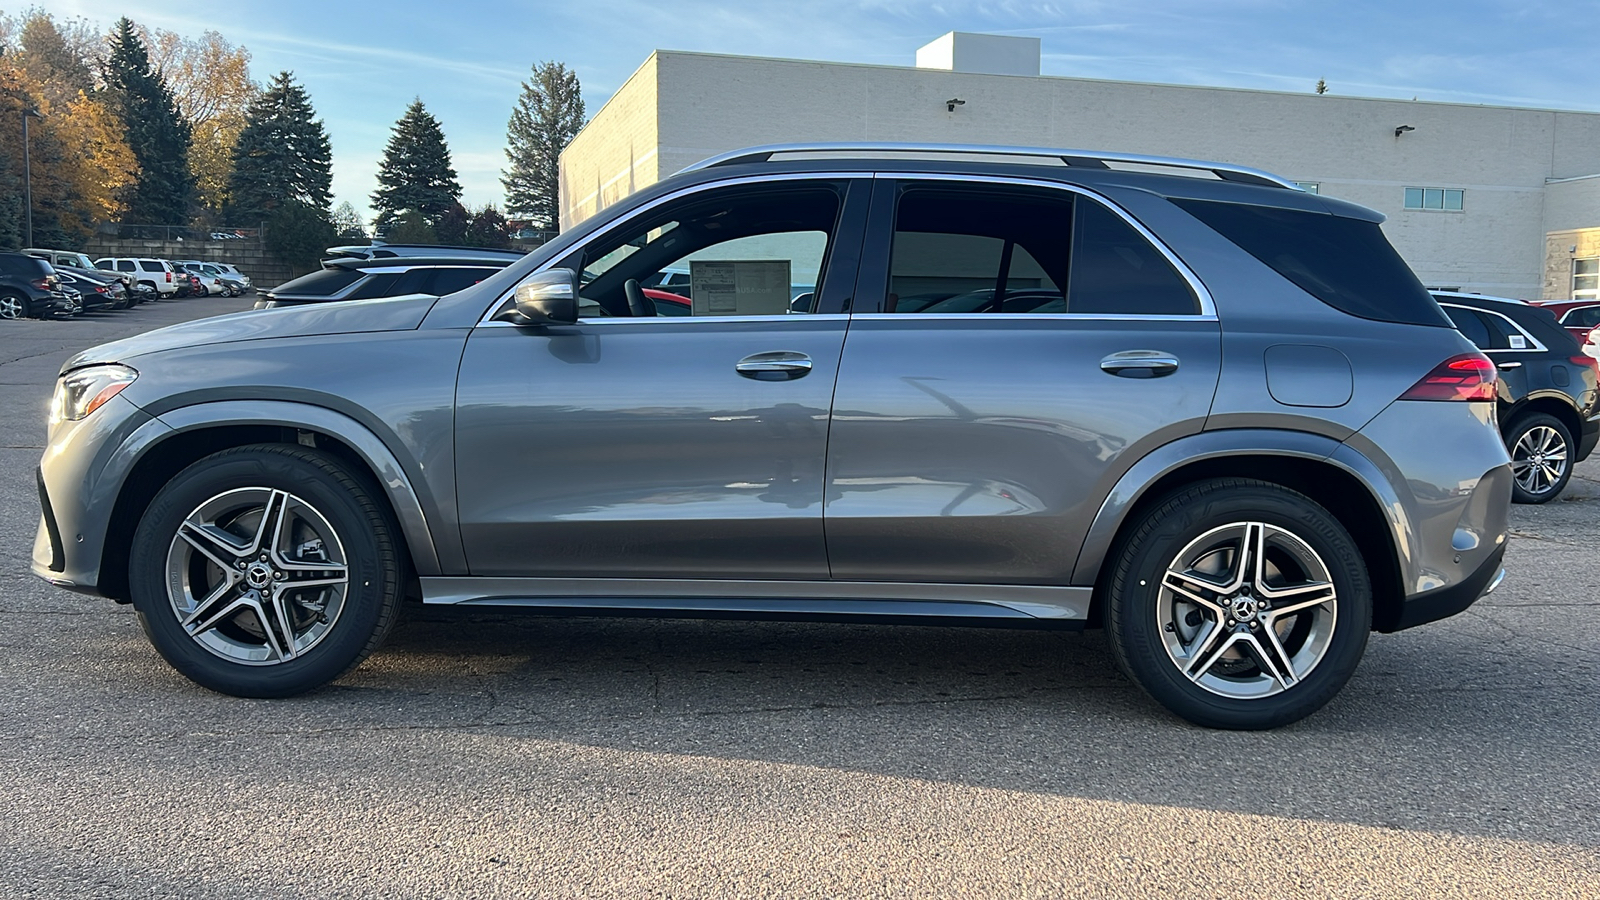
(1531, 481)
(14, 306)
(362, 533)
(1328, 640)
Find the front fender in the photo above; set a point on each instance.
(411, 506)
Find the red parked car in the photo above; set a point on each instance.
(1577, 316)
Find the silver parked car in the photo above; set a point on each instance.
(1216, 415)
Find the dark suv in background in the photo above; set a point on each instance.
(1548, 411)
(29, 288)
(349, 278)
(1186, 401)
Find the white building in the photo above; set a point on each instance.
(1496, 199)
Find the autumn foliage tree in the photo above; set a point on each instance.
(210, 81)
(82, 164)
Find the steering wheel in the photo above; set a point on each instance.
(638, 303)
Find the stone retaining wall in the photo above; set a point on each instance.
(266, 271)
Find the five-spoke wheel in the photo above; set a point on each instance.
(256, 575)
(1239, 604)
(265, 571)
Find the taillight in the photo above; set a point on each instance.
(42, 284)
(1470, 376)
(169, 278)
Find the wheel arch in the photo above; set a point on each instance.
(200, 430)
(1551, 404)
(1341, 480)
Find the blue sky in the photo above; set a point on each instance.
(363, 63)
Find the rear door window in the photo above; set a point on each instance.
(125, 265)
(956, 250)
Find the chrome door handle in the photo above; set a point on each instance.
(774, 365)
(1140, 364)
(1510, 365)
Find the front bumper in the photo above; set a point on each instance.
(80, 476)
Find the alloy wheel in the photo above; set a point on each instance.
(1247, 610)
(256, 576)
(1539, 459)
(12, 307)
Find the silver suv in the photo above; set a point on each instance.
(1183, 401)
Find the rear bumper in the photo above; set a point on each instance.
(1447, 601)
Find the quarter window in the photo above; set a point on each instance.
(957, 251)
(1448, 199)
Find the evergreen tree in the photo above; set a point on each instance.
(546, 118)
(416, 174)
(282, 154)
(156, 131)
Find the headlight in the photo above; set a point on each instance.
(82, 391)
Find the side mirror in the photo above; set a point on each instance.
(548, 298)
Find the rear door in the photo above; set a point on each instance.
(1016, 347)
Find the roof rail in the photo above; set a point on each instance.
(1082, 159)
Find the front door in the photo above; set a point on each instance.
(1028, 346)
(668, 433)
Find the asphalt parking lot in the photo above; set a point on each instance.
(516, 756)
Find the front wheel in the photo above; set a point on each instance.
(265, 571)
(1239, 604)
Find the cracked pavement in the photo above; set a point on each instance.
(506, 755)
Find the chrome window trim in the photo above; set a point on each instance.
(1073, 158)
(487, 320)
(1208, 307)
(1011, 317)
(1536, 347)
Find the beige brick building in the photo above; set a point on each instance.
(1501, 200)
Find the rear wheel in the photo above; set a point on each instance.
(265, 571)
(1239, 604)
(1541, 457)
(13, 306)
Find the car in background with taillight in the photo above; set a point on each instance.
(1546, 393)
(30, 288)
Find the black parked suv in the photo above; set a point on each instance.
(1548, 409)
(29, 287)
(363, 279)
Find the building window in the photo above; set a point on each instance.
(1586, 278)
(1449, 199)
(1310, 187)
